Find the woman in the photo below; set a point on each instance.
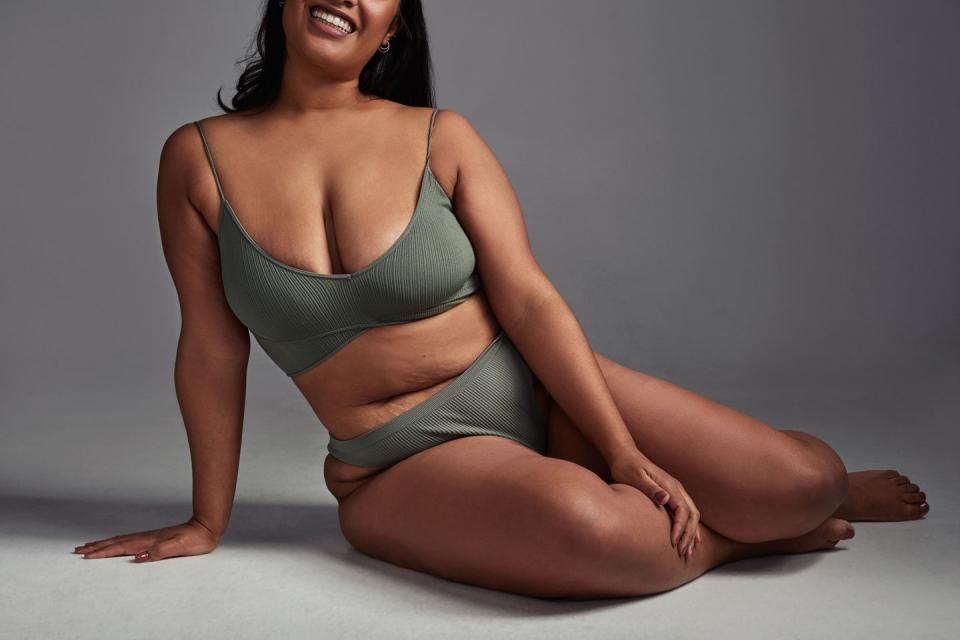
(474, 434)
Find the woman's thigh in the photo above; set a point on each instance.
(750, 481)
(488, 511)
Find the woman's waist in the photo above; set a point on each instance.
(390, 369)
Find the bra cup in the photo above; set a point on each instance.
(273, 302)
(432, 263)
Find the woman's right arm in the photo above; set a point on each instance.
(211, 356)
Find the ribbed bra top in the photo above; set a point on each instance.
(301, 318)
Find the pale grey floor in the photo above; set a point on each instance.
(96, 458)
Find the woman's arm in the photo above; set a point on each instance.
(211, 359)
(527, 305)
(214, 347)
(541, 324)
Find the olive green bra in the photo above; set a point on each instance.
(301, 318)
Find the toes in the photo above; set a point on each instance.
(903, 480)
(913, 511)
(891, 473)
(840, 530)
(909, 487)
(914, 498)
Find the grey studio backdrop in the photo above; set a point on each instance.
(756, 200)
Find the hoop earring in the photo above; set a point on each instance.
(384, 49)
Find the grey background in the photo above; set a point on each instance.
(757, 200)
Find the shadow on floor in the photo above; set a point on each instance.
(307, 527)
(90, 518)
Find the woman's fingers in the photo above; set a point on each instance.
(143, 549)
(121, 548)
(680, 516)
(686, 520)
(691, 531)
(654, 490)
(684, 544)
(117, 545)
(693, 545)
(691, 528)
(98, 545)
(156, 544)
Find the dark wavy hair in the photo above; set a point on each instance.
(404, 74)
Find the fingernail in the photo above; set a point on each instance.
(142, 556)
(659, 496)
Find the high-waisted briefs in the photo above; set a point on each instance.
(493, 396)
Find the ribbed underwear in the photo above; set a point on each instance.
(493, 396)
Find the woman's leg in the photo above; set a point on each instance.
(751, 482)
(488, 511)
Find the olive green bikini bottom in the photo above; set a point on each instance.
(493, 396)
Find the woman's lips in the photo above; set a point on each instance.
(326, 29)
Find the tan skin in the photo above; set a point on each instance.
(585, 520)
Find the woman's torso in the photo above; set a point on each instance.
(331, 194)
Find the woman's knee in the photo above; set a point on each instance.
(824, 478)
(802, 497)
(826, 484)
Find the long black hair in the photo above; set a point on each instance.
(404, 74)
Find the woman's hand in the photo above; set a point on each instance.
(636, 470)
(188, 539)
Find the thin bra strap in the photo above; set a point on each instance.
(433, 117)
(206, 149)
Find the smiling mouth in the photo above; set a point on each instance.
(329, 19)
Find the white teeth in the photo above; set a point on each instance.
(331, 19)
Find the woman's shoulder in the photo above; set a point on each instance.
(184, 135)
(185, 140)
(453, 134)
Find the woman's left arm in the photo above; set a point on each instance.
(541, 324)
(527, 305)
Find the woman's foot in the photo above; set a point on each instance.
(825, 536)
(882, 495)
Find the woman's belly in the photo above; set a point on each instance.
(390, 369)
